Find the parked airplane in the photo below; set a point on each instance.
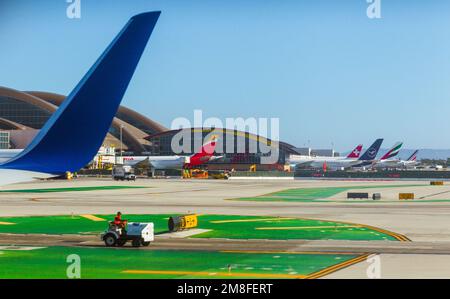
(318, 161)
(396, 163)
(369, 155)
(204, 155)
(411, 161)
(385, 161)
(352, 160)
(61, 146)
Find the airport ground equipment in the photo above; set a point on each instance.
(199, 174)
(219, 175)
(376, 196)
(137, 232)
(437, 183)
(359, 195)
(123, 172)
(177, 223)
(405, 196)
(69, 175)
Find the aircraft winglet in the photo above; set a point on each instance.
(75, 132)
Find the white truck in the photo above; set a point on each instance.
(123, 172)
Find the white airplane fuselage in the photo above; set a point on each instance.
(318, 162)
(159, 162)
(8, 154)
(394, 163)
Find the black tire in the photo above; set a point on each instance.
(110, 240)
(145, 243)
(136, 243)
(120, 243)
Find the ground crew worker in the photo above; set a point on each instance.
(118, 220)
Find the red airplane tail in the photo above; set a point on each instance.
(206, 152)
(356, 152)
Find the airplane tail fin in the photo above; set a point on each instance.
(208, 147)
(393, 151)
(356, 152)
(74, 133)
(205, 153)
(413, 157)
(372, 151)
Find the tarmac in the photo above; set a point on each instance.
(425, 221)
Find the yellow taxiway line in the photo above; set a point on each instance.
(289, 252)
(92, 217)
(307, 227)
(337, 267)
(314, 275)
(226, 274)
(397, 236)
(6, 223)
(250, 220)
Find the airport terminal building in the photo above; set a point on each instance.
(23, 114)
(238, 149)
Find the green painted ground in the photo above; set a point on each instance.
(73, 224)
(221, 226)
(110, 263)
(238, 227)
(311, 194)
(93, 188)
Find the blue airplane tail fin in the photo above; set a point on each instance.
(372, 151)
(74, 133)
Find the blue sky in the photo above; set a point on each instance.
(332, 75)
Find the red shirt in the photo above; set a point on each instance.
(118, 219)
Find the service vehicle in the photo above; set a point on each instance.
(139, 233)
(123, 172)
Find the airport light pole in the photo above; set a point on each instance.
(121, 144)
